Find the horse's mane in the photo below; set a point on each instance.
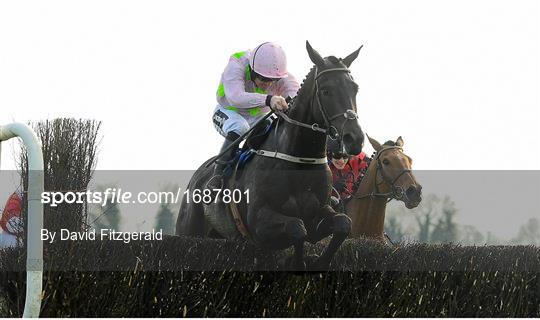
(389, 143)
(306, 83)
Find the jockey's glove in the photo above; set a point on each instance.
(278, 103)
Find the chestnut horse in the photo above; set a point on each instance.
(388, 177)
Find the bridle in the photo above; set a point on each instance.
(329, 129)
(396, 192)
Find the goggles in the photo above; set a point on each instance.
(340, 155)
(265, 79)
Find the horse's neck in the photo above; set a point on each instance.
(301, 141)
(367, 213)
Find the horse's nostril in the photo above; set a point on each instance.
(351, 146)
(412, 192)
(347, 138)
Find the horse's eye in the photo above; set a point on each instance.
(386, 162)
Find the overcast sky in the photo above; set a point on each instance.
(459, 80)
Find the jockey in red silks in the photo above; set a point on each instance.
(346, 169)
(253, 82)
(10, 221)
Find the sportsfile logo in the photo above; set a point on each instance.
(110, 196)
(119, 196)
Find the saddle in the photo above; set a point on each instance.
(247, 151)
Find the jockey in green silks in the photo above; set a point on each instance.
(253, 82)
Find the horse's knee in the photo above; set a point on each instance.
(276, 230)
(341, 224)
(296, 230)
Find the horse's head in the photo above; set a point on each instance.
(334, 99)
(394, 174)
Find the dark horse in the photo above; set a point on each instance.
(288, 179)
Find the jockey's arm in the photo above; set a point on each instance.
(287, 87)
(234, 85)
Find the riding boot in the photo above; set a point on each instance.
(216, 182)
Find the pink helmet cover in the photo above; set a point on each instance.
(269, 60)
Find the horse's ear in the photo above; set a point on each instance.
(350, 58)
(374, 143)
(399, 142)
(314, 55)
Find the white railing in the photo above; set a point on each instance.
(34, 258)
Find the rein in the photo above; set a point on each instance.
(349, 114)
(335, 134)
(396, 191)
(314, 126)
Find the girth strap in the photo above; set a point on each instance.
(237, 217)
(287, 157)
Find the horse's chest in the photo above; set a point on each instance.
(300, 197)
(298, 186)
(303, 205)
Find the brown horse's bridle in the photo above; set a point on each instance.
(396, 192)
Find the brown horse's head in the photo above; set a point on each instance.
(394, 173)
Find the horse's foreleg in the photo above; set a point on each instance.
(298, 258)
(190, 221)
(276, 231)
(339, 226)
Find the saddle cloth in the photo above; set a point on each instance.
(246, 153)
